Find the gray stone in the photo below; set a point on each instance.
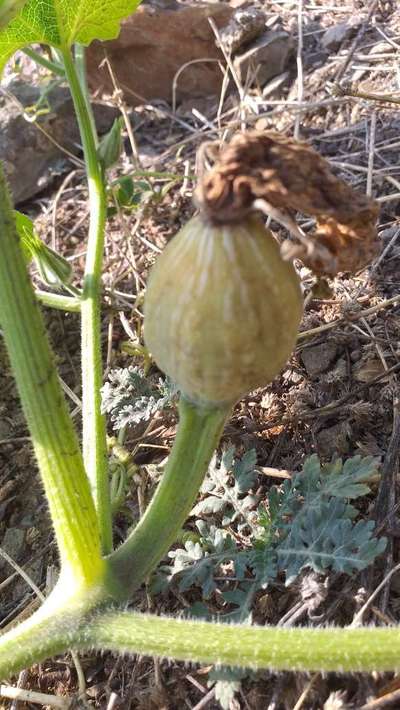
(13, 544)
(317, 359)
(31, 158)
(334, 440)
(336, 35)
(245, 26)
(265, 59)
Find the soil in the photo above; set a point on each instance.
(338, 396)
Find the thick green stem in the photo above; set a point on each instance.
(332, 649)
(34, 640)
(54, 628)
(52, 431)
(94, 429)
(198, 434)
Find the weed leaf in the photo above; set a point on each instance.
(324, 538)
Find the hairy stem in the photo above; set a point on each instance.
(53, 435)
(94, 429)
(198, 435)
(333, 649)
(54, 628)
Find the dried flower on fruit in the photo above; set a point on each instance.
(289, 176)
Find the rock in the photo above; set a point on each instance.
(13, 544)
(153, 45)
(30, 158)
(245, 26)
(317, 358)
(266, 58)
(334, 440)
(335, 35)
(161, 46)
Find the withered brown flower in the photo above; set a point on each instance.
(290, 176)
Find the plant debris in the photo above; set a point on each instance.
(290, 176)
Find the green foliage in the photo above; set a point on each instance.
(54, 270)
(109, 150)
(129, 192)
(130, 397)
(227, 489)
(60, 23)
(326, 537)
(307, 522)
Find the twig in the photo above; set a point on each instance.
(204, 701)
(357, 620)
(385, 500)
(114, 701)
(118, 97)
(361, 314)
(232, 70)
(299, 63)
(383, 98)
(40, 128)
(383, 254)
(329, 408)
(30, 696)
(181, 69)
(357, 40)
(304, 694)
(274, 472)
(22, 678)
(371, 153)
(383, 702)
(22, 574)
(59, 192)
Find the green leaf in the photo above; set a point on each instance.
(336, 479)
(26, 233)
(208, 506)
(244, 471)
(130, 397)
(60, 23)
(109, 150)
(54, 270)
(324, 537)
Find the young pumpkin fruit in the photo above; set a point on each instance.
(222, 310)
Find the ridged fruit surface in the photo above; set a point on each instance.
(222, 310)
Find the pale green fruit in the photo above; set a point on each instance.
(222, 310)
